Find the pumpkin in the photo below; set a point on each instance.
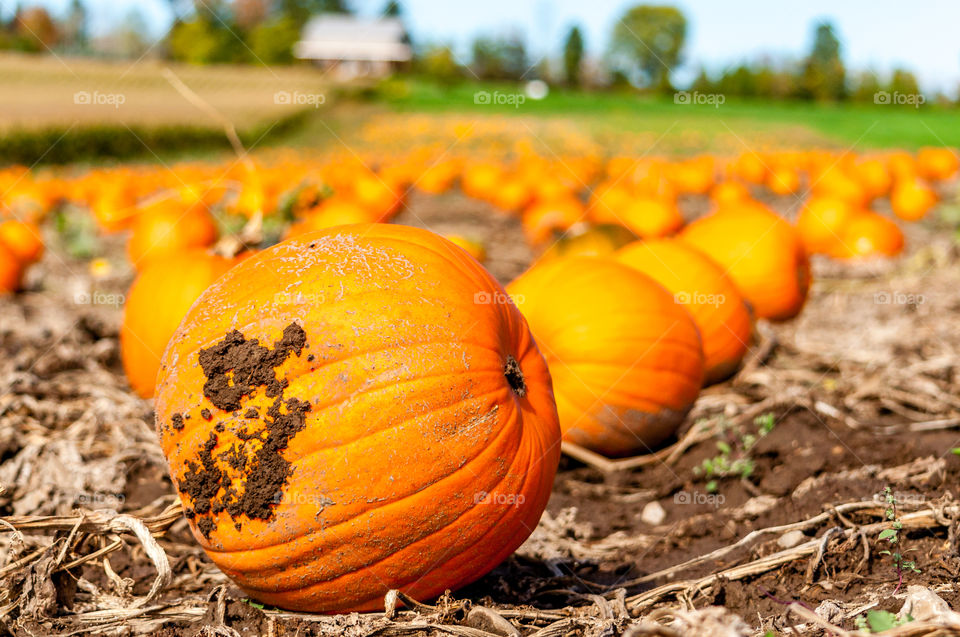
(709, 295)
(649, 217)
(729, 192)
(354, 411)
(474, 247)
(869, 234)
(23, 239)
(937, 163)
(543, 219)
(783, 181)
(911, 199)
(11, 270)
(590, 241)
(626, 360)
(336, 211)
(156, 303)
(761, 253)
(821, 222)
(165, 229)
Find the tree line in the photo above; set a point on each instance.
(646, 46)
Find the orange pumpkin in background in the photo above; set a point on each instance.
(709, 295)
(24, 240)
(156, 303)
(647, 217)
(761, 253)
(729, 192)
(626, 360)
(911, 199)
(589, 241)
(937, 163)
(869, 234)
(11, 271)
(542, 220)
(166, 229)
(354, 411)
(821, 222)
(336, 211)
(474, 247)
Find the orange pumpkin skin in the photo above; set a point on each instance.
(709, 295)
(167, 229)
(869, 234)
(761, 253)
(821, 223)
(648, 217)
(474, 247)
(911, 199)
(11, 270)
(938, 163)
(403, 453)
(23, 239)
(594, 241)
(156, 303)
(626, 360)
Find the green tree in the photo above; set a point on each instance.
(438, 62)
(392, 9)
(501, 58)
(201, 41)
(647, 44)
(904, 82)
(573, 56)
(301, 10)
(272, 41)
(824, 76)
(866, 86)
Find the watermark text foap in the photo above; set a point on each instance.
(297, 98)
(896, 98)
(696, 97)
(99, 298)
(498, 98)
(499, 499)
(495, 298)
(699, 298)
(716, 500)
(898, 298)
(96, 98)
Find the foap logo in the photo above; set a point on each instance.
(495, 298)
(499, 499)
(715, 500)
(896, 98)
(299, 298)
(898, 298)
(99, 298)
(99, 500)
(296, 98)
(699, 298)
(696, 97)
(498, 98)
(96, 98)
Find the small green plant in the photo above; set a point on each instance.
(895, 538)
(733, 457)
(878, 621)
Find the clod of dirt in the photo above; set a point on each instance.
(235, 365)
(176, 421)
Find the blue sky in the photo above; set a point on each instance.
(877, 34)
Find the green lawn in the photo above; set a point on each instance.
(772, 123)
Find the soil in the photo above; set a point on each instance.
(855, 397)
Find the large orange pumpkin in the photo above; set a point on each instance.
(353, 411)
(911, 199)
(156, 303)
(166, 229)
(649, 217)
(23, 239)
(701, 286)
(761, 253)
(626, 360)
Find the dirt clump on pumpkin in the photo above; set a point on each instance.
(235, 367)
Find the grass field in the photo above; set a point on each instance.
(98, 110)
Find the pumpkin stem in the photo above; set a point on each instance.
(511, 369)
